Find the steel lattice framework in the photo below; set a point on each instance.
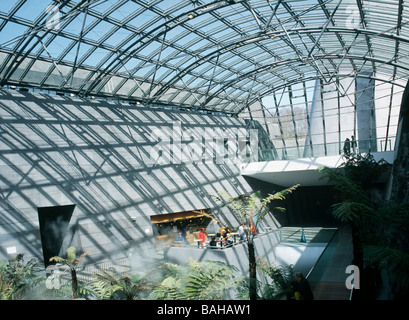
(221, 56)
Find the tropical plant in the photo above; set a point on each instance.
(387, 245)
(355, 179)
(396, 263)
(16, 276)
(206, 280)
(280, 280)
(379, 229)
(110, 283)
(71, 261)
(253, 209)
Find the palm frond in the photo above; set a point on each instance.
(103, 290)
(169, 289)
(71, 253)
(77, 261)
(351, 211)
(241, 205)
(394, 260)
(209, 280)
(350, 189)
(281, 279)
(280, 195)
(128, 288)
(196, 281)
(58, 259)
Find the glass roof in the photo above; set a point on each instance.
(221, 56)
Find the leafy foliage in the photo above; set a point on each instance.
(281, 280)
(381, 228)
(71, 262)
(355, 177)
(103, 290)
(351, 211)
(207, 280)
(391, 226)
(252, 207)
(16, 277)
(275, 285)
(394, 261)
(242, 205)
(363, 169)
(111, 282)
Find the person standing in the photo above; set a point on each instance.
(353, 145)
(302, 288)
(347, 147)
(242, 231)
(202, 238)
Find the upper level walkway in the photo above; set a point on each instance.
(310, 149)
(301, 171)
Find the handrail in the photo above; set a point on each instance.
(323, 252)
(351, 293)
(326, 149)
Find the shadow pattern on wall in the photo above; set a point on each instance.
(113, 162)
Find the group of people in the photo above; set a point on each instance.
(226, 238)
(348, 144)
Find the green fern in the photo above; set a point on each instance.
(394, 261)
(103, 290)
(253, 208)
(72, 263)
(109, 282)
(351, 211)
(195, 281)
(281, 279)
(16, 277)
(169, 289)
(209, 280)
(242, 205)
(380, 229)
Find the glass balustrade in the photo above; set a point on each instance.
(327, 149)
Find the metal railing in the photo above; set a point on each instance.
(327, 149)
(316, 273)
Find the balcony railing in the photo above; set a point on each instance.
(327, 149)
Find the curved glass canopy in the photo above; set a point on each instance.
(220, 56)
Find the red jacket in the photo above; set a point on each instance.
(202, 236)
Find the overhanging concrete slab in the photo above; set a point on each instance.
(300, 171)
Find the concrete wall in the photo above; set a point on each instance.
(112, 162)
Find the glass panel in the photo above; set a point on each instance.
(11, 34)
(240, 49)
